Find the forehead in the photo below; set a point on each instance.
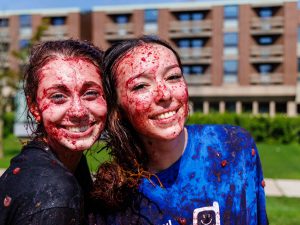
(145, 55)
(69, 67)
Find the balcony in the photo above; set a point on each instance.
(271, 78)
(178, 29)
(195, 55)
(114, 31)
(55, 32)
(269, 54)
(194, 79)
(4, 34)
(273, 25)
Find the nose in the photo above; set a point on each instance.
(78, 110)
(163, 93)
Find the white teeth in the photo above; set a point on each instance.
(166, 115)
(77, 129)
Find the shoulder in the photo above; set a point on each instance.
(37, 181)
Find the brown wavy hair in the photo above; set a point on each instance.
(43, 53)
(118, 179)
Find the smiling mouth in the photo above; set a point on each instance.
(165, 115)
(78, 129)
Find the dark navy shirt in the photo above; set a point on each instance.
(217, 181)
(38, 189)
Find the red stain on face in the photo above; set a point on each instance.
(153, 92)
(71, 103)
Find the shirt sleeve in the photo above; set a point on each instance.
(53, 216)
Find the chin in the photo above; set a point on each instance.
(79, 145)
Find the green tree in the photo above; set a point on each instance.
(10, 79)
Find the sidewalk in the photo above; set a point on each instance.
(274, 187)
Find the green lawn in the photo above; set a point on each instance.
(283, 211)
(280, 161)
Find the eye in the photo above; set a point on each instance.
(176, 76)
(58, 98)
(139, 87)
(91, 94)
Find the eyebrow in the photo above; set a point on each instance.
(144, 72)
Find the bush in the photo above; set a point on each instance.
(8, 123)
(278, 129)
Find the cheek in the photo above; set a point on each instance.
(138, 103)
(53, 113)
(98, 108)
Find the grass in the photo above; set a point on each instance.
(283, 211)
(280, 161)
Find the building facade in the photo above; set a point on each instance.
(238, 56)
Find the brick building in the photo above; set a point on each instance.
(238, 56)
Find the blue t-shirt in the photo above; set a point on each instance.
(217, 181)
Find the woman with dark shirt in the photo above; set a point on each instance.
(49, 182)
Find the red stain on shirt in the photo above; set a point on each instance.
(263, 183)
(224, 163)
(7, 201)
(16, 170)
(253, 152)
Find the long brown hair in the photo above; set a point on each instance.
(117, 180)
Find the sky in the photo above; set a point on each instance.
(82, 4)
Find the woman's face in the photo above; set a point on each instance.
(152, 92)
(70, 103)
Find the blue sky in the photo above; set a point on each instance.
(83, 4)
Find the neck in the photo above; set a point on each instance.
(69, 158)
(162, 153)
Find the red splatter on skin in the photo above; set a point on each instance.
(7, 201)
(263, 183)
(224, 163)
(70, 103)
(153, 92)
(16, 170)
(253, 152)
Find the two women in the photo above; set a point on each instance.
(164, 172)
(49, 181)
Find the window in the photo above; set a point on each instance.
(193, 70)
(24, 43)
(197, 43)
(151, 15)
(230, 39)
(264, 107)
(4, 22)
(265, 12)
(197, 16)
(265, 68)
(4, 47)
(230, 107)
(184, 16)
(247, 107)
(183, 43)
(231, 12)
(121, 19)
(230, 67)
(265, 40)
(58, 21)
(25, 20)
(281, 107)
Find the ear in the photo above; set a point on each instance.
(34, 110)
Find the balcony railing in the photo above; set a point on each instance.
(200, 79)
(55, 32)
(190, 28)
(272, 25)
(190, 55)
(267, 54)
(271, 78)
(119, 31)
